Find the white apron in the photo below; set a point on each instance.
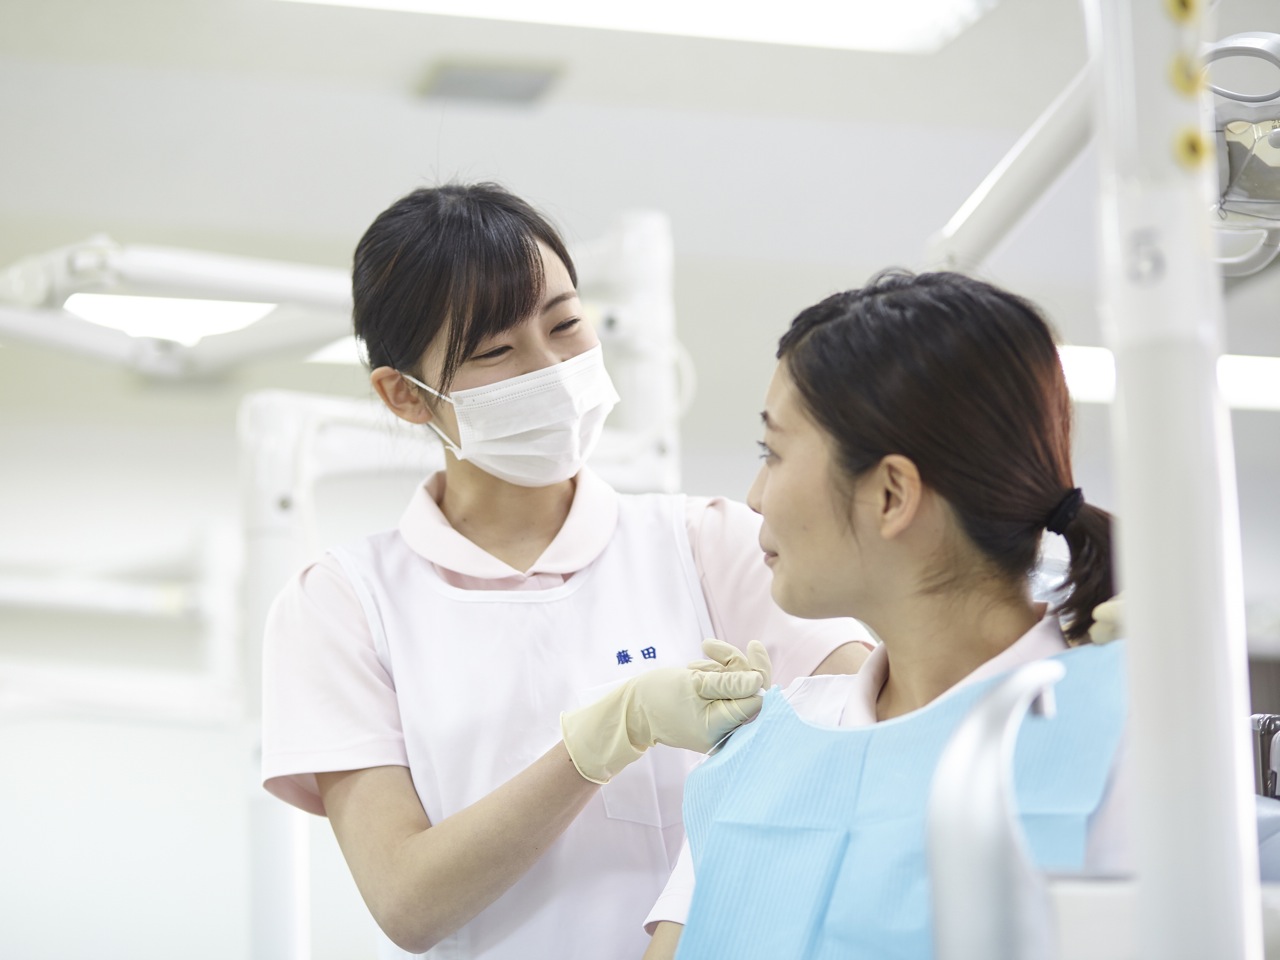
(481, 678)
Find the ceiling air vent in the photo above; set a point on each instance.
(489, 82)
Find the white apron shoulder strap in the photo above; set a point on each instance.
(351, 566)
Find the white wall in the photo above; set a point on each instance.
(120, 837)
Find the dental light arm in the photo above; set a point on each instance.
(65, 331)
(286, 331)
(314, 304)
(1058, 136)
(1018, 180)
(100, 263)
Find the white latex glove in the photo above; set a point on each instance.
(693, 707)
(1108, 621)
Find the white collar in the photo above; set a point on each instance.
(1044, 639)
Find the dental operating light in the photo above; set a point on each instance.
(1246, 217)
(168, 312)
(902, 26)
(1244, 77)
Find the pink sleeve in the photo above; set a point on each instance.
(327, 702)
(736, 584)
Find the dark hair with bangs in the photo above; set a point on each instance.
(963, 379)
(461, 258)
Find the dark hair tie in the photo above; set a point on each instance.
(1065, 512)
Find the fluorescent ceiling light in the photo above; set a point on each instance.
(166, 318)
(902, 26)
(1091, 373)
(347, 350)
(1247, 383)
(1250, 383)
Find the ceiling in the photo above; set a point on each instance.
(1036, 43)
(278, 129)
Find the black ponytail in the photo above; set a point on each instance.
(1090, 575)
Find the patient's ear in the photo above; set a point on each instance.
(899, 493)
(402, 398)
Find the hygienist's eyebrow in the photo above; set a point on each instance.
(559, 299)
(769, 424)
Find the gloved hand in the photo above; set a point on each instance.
(693, 707)
(1108, 621)
(727, 657)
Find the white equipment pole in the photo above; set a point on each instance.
(628, 277)
(1179, 548)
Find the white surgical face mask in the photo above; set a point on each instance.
(535, 429)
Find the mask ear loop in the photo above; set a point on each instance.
(418, 383)
(452, 447)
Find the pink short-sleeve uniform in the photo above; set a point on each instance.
(416, 648)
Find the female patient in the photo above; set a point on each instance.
(916, 445)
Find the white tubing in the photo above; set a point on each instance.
(60, 330)
(218, 276)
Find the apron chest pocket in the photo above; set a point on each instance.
(651, 790)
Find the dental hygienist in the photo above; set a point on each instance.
(473, 698)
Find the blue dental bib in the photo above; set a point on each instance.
(808, 841)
